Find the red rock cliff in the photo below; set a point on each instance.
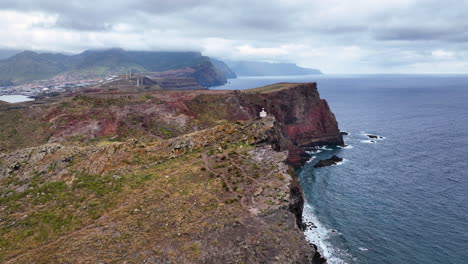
(308, 119)
(304, 118)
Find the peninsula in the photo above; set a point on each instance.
(165, 176)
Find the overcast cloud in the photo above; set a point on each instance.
(336, 36)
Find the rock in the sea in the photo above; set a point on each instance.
(374, 136)
(328, 162)
(344, 133)
(309, 225)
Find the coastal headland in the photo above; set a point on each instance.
(164, 176)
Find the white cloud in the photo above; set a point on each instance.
(442, 54)
(269, 52)
(335, 35)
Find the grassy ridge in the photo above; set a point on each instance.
(29, 66)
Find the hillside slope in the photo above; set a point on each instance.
(159, 177)
(29, 66)
(307, 119)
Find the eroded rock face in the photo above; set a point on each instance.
(305, 119)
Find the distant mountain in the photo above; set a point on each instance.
(228, 72)
(29, 66)
(7, 53)
(253, 68)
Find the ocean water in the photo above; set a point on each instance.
(404, 198)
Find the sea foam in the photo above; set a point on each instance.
(320, 235)
(311, 159)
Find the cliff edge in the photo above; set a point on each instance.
(159, 177)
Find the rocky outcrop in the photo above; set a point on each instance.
(328, 162)
(305, 119)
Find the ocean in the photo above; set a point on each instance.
(404, 198)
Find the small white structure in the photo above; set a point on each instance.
(263, 113)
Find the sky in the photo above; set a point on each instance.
(335, 36)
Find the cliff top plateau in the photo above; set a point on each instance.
(189, 176)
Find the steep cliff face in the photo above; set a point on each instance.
(220, 65)
(306, 119)
(205, 74)
(208, 75)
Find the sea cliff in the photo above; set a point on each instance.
(160, 177)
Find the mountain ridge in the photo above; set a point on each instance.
(29, 66)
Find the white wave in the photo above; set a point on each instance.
(341, 162)
(311, 159)
(320, 236)
(363, 249)
(367, 136)
(368, 141)
(324, 148)
(346, 147)
(312, 152)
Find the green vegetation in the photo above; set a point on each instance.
(271, 88)
(151, 191)
(28, 66)
(18, 130)
(212, 110)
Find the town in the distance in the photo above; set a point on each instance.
(39, 75)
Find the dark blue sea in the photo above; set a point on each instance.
(404, 198)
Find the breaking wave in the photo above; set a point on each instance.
(319, 235)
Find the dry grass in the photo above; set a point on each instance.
(271, 88)
(161, 208)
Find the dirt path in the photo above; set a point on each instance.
(208, 168)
